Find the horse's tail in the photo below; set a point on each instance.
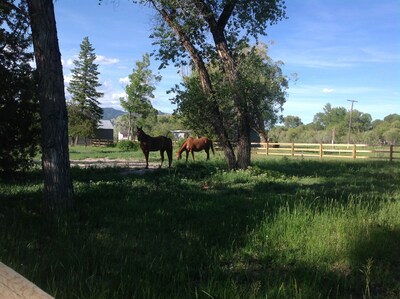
(169, 151)
(212, 147)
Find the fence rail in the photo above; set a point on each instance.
(101, 142)
(320, 150)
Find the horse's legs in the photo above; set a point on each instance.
(169, 154)
(208, 154)
(146, 155)
(162, 157)
(187, 155)
(192, 151)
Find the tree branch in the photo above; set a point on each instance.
(226, 13)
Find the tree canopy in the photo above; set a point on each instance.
(262, 86)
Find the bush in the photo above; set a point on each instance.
(128, 145)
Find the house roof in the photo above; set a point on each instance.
(105, 124)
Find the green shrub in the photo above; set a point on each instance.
(128, 145)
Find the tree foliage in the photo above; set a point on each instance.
(83, 88)
(139, 93)
(262, 87)
(332, 125)
(19, 109)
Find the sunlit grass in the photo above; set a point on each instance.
(281, 229)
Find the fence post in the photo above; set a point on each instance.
(391, 153)
(292, 149)
(267, 148)
(354, 151)
(320, 151)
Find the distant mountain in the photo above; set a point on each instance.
(111, 113)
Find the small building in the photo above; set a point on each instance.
(180, 134)
(105, 130)
(122, 135)
(104, 133)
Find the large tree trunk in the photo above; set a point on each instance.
(206, 84)
(217, 31)
(244, 129)
(58, 190)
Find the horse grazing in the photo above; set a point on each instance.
(195, 145)
(150, 144)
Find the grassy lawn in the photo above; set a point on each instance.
(284, 228)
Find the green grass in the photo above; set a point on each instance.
(80, 152)
(281, 229)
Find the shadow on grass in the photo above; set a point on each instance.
(172, 234)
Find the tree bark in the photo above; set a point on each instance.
(207, 89)
(58, 189)
(244, 129)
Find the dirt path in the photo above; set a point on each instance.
(127, 165)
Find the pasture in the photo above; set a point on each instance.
(284, 228)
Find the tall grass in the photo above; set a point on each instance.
(281, 229)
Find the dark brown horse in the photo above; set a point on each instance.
(151, 144)
(195, 145)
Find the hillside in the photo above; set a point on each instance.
(111, 113)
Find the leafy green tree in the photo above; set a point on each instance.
(58, 189)
(360, 121)
(331, 116)
(79, 123)
(19, 109)
(165, 124)
(262, 85)
(83, 89)
(139, 91)
(392, 136)
(213, 33)
(391, 117)
(291, 121)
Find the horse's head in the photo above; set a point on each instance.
(178, 156)
(140, 133)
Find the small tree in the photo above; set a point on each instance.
(83, 88)
(139, 91)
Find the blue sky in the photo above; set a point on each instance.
(340, 50)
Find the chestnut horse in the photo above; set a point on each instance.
(195, 145)
(150, 144)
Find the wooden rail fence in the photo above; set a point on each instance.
(351, 151)
(101, 142)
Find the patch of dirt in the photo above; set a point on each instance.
(127, 166)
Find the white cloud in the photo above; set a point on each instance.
(100, 59)
(70, 62)
(117, 95)
(67, 79)
(124, 80)
(328, 90)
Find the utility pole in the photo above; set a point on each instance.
(351, 112)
